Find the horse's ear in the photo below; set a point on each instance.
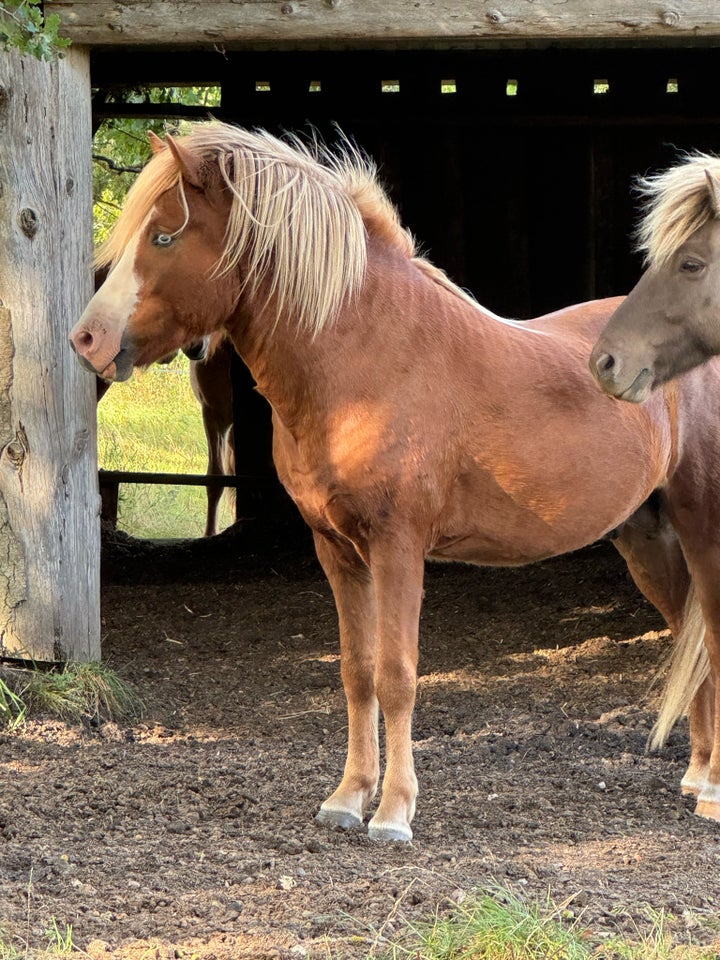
(156, 144)
(190, 165)
(714, 188)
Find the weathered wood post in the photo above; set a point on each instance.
(49, 501)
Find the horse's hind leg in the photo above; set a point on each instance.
(703, 777)
(655, 559)
(215, 466)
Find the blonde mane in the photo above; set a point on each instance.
(299, 219)
(677, 203)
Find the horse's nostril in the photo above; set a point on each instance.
(604, 363)
(82, 342)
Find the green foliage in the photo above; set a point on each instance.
(24, 27)
(121, 146)
(497, 925)
(120, 150)
(60, 941)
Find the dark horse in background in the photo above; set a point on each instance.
(408, 422)
(210, 378)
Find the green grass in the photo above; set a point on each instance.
(500, 925)
(12, 706)
(59, 944)
(153, 424)
(495, 925)
(79, 692)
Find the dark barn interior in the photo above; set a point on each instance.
(513, 168)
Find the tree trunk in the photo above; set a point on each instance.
(49, 500)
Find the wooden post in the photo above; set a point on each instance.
(49, 501)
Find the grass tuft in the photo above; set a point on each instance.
(82, 691)
(499, 925)
(12, 710)
(89, 692)
(59, 944)
(657, 944)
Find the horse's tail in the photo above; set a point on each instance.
(689, 667)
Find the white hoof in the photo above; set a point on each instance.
(335, 817)
(691, 787)
(695, 779)
(708, 802)
(397, 832)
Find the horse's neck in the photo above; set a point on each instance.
(285, 362)
(405, 317)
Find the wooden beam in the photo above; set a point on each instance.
(49, 501)
(245, 23)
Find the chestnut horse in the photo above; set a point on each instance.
(212, 385)
(410, 422)
(670, 322)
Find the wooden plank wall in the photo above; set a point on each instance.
(524, 198)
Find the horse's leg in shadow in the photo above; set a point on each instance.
(215, 466)
(379, 612)
(655, 559)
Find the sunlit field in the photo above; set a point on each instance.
(153, 424)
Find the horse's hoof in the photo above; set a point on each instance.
(390, 832)
(708, 802)
(695, 780)
(690, 789)
(345, 819)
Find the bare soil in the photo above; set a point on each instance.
(191, 833)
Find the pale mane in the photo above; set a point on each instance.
(677, 203)
(299, 217)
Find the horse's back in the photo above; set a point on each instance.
(579, 320)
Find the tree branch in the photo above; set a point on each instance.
(114, 165)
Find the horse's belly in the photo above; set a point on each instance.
(478, 547)
(489, 524)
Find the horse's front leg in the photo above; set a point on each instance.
(398, 570)
(354, 594)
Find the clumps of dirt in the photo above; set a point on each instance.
(192, 831)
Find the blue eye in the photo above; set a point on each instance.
(162, 239)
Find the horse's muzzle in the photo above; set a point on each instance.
(120, 367)
(614, 379)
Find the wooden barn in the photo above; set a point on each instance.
(507, 131)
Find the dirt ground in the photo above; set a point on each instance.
(191, 833)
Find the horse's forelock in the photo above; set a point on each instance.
(159, 175)
(677, 203)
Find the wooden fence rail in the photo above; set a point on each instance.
(253, 487)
